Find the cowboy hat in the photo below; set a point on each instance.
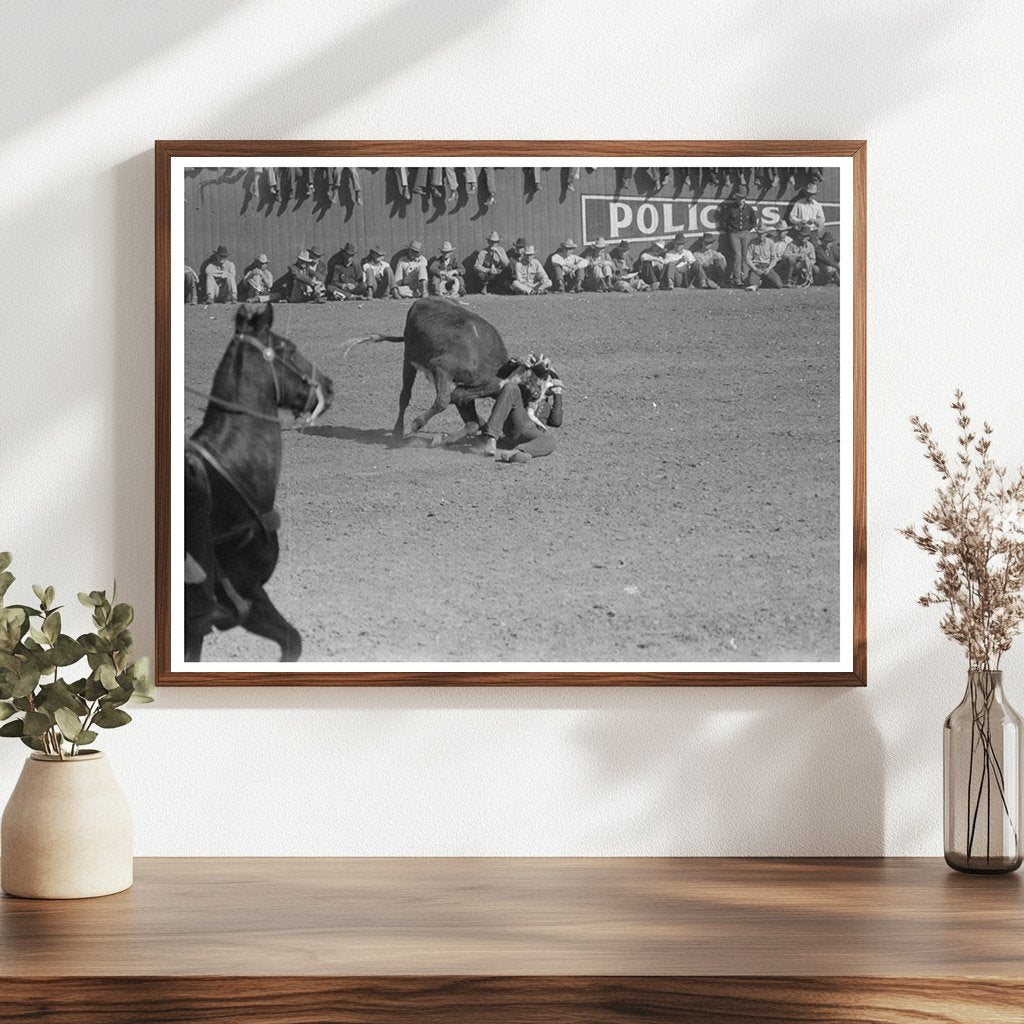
(222, 250)
(447, 247)
(374, 251)
(530, 250)
(709, 236)
(494, 237)
(349, 248)
(569, 244)
(315, 253)
(303, 256)
(600, 243)
(415, 246)
(262, 258)
(811, 189)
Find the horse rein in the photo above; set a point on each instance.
(270, 356)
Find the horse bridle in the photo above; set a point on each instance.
(315, 402)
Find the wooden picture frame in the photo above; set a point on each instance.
(849, 157)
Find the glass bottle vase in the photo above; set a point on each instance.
(981, 770)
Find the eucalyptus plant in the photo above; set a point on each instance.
(37, 704)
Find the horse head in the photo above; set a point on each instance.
(298, 385)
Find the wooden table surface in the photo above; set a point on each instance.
(695, 929)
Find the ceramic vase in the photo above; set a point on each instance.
(66, 831)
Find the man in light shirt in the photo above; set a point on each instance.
(807, 212)
(568, 268)
(600, 268)
(677, 270)
(761, 258)
(528, 274)
(411, 272)
(378, 276)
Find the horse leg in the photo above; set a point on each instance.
(444, 386)
(265, 620)
(193, 645)
(408, 378)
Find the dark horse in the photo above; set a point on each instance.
(232, 468)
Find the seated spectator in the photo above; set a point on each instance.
(257, 281)
(807, 212)
(411, 273)
(218, 273)
(528, 274)
(445, 274)
(492, 262)
(191, 286)
(826, 260)
(346, 279)
(568, 268)
(378, 276)
(762, 256)
(796, 267)
(709, 263)
(317, 267)
(600, 268)
(625, 278)
(677, 271)
(529, 403)
(652, 263)
(515, 250)
(304, 284)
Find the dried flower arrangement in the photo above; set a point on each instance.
(975, 530)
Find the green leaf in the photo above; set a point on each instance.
(86, 736)
(36, 723)
(66, 651)
(122, 616)
(94, 645)
(51, 626)
(27, 681)
(6, 710)
(15, 728)
(111, 718)
(94, 689)
(38, 635)
(40, 593)
(6, 579)
(59, 695)
(107, 676)
(115, 698)
(31, 741)
(5, 559)
(50, 595)
(69, 724)
(89, 600)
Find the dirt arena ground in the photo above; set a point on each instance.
(690, 513)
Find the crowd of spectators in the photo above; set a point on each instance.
(745, 252)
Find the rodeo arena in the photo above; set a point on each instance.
(539, 416)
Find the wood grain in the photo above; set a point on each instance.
(526, 1000)
(635, 151)
(576, 941)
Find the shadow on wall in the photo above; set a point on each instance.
(694, 771)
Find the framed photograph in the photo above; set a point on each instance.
(566, 418)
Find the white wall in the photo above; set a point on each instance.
(935, 87)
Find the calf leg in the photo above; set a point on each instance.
(408, 378)
(265, 620)
(444, 387)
